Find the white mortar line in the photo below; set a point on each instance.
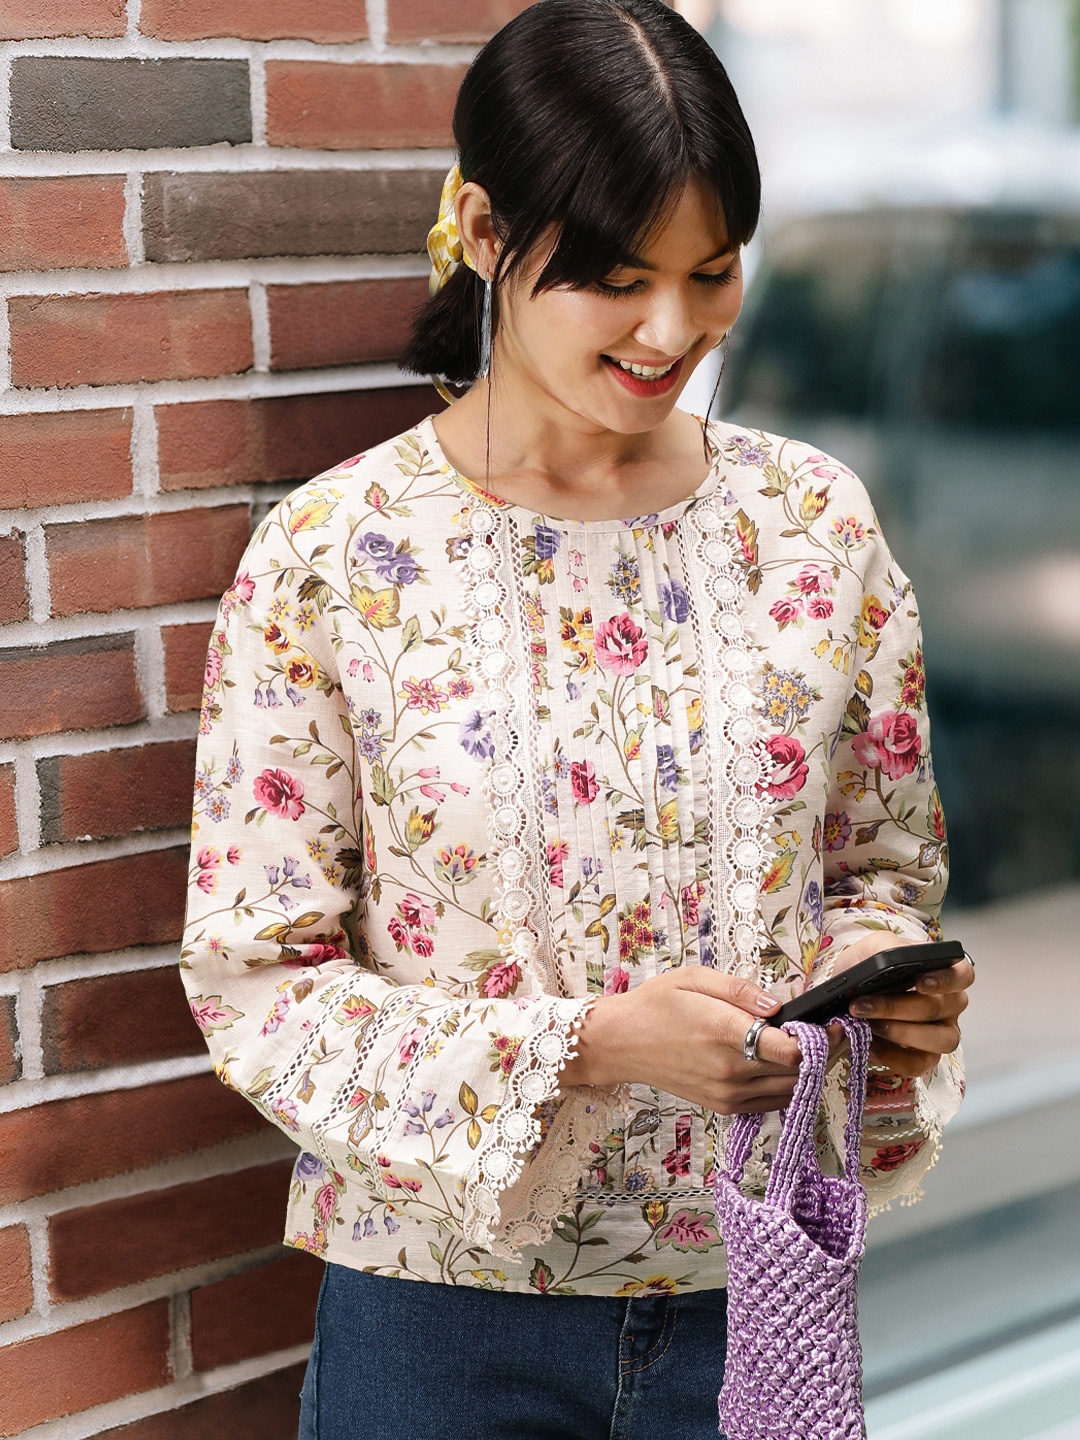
(90, 1423)
(37, 574)
(5, 347)
(29, 1011)
(27, 803)
(224, 47)
(226, 159)
(64, 1314)
(164, 503)
(182, 1361)
(88, 852)
(260, 326)
(152, 276)
(268, 1145)
(257, 86)
(5, 99)
(377, 26)
(150, 668)
(134, 15)
(39, 1264)
(144, 460)
(88, 742)
(248, 386)
(116, 962)
(133, 222)
(40, 1090)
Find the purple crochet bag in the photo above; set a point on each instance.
(794, 1362)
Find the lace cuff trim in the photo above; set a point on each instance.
(504, 1224)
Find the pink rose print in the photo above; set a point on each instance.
(616, 981)
(500, 979)
(415, 911)
(556, 854)
(620, 645)
(690, 898)
(819, 607)
(815, 579)
(410, 1043)
(422, 944)
(280, 793)
(789, 768)
(786, 610)
(212, 674)
(583, 781)
(890, 742)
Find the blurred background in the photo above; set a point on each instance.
(913, 308)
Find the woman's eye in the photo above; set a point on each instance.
(724, 278)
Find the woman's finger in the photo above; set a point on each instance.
(901, 1061)
(916, 1009)
(957, 977)
(923, 1039)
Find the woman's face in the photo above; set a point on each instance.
(562, 348)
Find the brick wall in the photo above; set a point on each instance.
(212, 219)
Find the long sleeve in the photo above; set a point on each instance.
(885, 862)
(436, 1098)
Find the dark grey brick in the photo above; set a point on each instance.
(70, 103)
(289, 212)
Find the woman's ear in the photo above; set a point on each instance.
(476, 227)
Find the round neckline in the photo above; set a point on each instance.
(655, 518)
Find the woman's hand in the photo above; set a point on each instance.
(913, 1030)
(683, 1032)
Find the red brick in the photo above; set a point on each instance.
(256, 1312)
(49, 1147)
(57, 224)
(185, 663)
(166, 1230)
(327, 21)
(16, 1281)
(320, 105)
(71, 455)
(9, 821)
(264, 1409)
(117, 1020)
(71, 685)
(44, 19)
(116, 792)
(115, 339)
(240, 442)
(71, 1370)
(347, 322)
(138, 560)
(107, 905)
(14, 597)
(468, 21)
(10, 1049)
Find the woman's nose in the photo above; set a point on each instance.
(669, 328)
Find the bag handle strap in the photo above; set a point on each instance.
(795, 1151)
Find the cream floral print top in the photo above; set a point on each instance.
(463, 767)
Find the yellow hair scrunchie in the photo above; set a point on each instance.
(444, 246)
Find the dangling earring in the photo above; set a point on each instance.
(485, 333)
(721, 340)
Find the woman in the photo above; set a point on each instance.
(545, 747)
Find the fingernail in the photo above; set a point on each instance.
(861, 1007)
(766, 1004)
(929, 982)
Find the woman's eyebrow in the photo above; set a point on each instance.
(637, 262)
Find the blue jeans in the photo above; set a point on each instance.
(418, 1360)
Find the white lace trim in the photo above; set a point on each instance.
(559, 1164)
(509, 785)
(740, 813)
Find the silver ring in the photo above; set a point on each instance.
(749, 1045)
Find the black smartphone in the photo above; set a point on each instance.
(892, 970)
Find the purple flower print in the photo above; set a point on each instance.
(815, 905)
(674, 601)
(474, 736)
(362, 1229)
(392, 1227)
(665, 764)
(547, 541)
(446, 1118)
(413, 1127)
(399, 569)
(373, 546)
(310, 1167)
(429, 1098)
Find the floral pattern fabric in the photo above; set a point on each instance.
(464, 767)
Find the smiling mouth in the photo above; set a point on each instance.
(643, 371)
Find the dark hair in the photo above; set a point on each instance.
(591, 115)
